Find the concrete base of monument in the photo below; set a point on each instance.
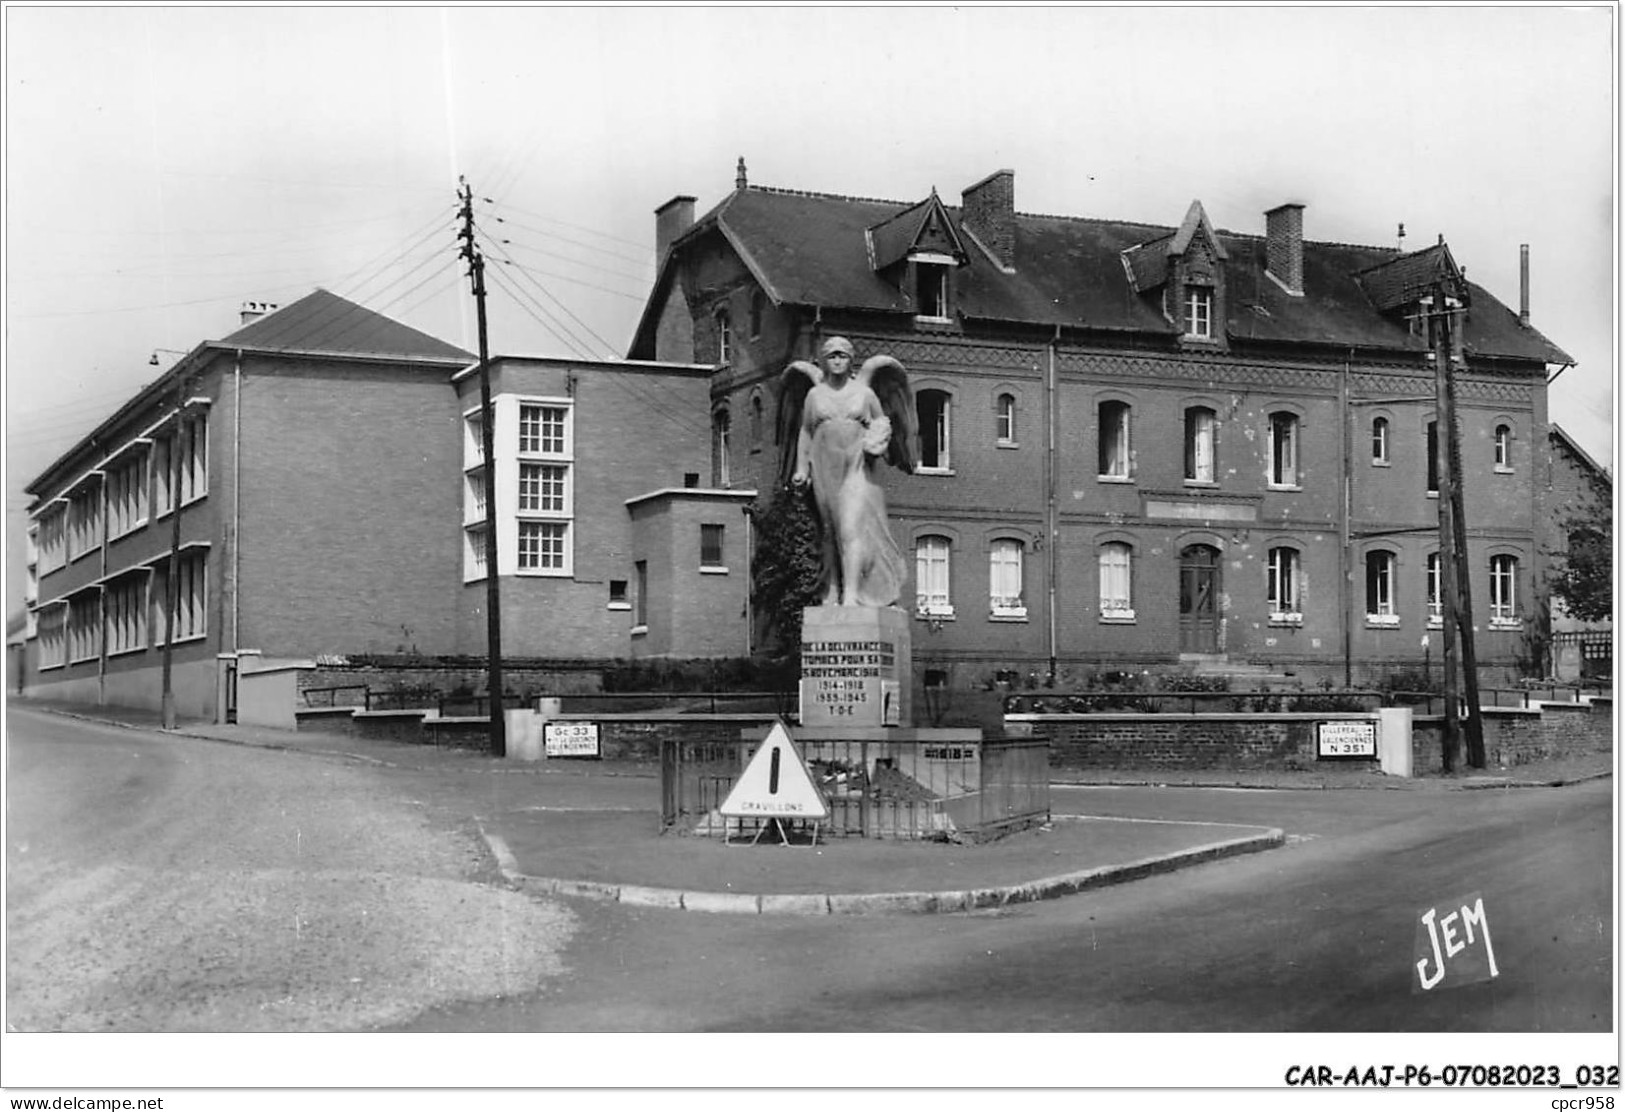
(856, 667)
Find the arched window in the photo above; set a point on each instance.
(757, 302)
(725, 339)
(931, 579)
(719, 448)
(1004, 419)
(1379, 588)
(1284, 587)
(1114, 439)
(1005, 596)
(932, 407)
(756, 420)
(1201, 427)
(1503, 447)
(1379, 440)
(1116, 582)
(1503, 590)
(1283, 449)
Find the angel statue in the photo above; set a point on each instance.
(841, 425)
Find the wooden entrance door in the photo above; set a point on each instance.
(1199, 599)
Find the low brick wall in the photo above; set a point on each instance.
(1515, 736)
(635, 738)
(1165, 741)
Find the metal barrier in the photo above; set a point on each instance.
(314, 696)
(875, 789)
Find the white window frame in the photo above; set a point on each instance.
(542, 531)
(720, 567)
(943, 434)
(1284, 591)
(1385, 613)
(936, 270)
(1199, 312)
(1115, 563)
(1284, 439)
(1006, 559)
(1115, 448)
(1201, 445)
(542, 432)
(1433, 591)
(725, 337)
(933, 576)
(1504, 592)
(1503, 448)
(1381, 432)
(722, 446)
(1004, 419)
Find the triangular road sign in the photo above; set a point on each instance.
(775, 784)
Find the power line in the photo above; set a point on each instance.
(577, 227)
(559, 330)
(644, 262)
(506, 258)
(520, 244)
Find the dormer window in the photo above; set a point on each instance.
(931, 287)
(1199, 312)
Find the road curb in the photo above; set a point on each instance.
(896, 903)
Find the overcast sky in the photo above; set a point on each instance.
(165, 165)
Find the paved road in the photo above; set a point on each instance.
(1314, 937)
(172, 884)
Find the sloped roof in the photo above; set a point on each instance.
(1406, 279)
(914, 228)
(325, 323)
(811, 249)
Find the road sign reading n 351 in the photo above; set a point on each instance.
(1345, 739)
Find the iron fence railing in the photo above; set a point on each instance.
(781, 703)
(874, 789)
(329, 696)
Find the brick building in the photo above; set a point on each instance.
(1579, 511)
(1144, 446)
(328, 507)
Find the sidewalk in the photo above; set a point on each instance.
(590, 828)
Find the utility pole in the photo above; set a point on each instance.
(1464, 578)
(171, 578)
(493, 593)
(1440, 356)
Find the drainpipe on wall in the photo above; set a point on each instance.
(1346, 578)
(1051, 525)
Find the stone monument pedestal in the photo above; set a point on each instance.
(856, 667)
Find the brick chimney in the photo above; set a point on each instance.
(254, 310)
(672, 219)
(989, 213)
(1283, 238)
